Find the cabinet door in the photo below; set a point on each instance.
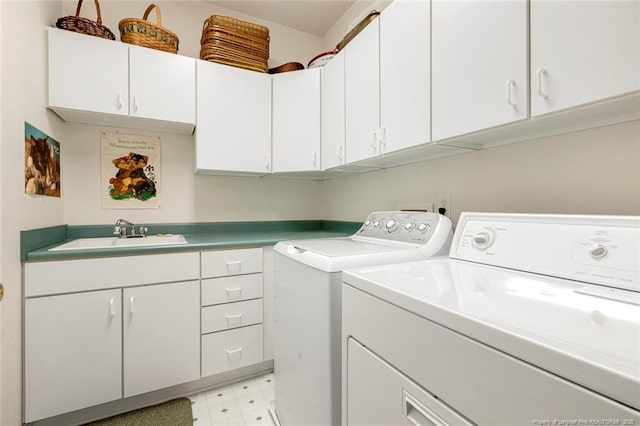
(88, 73)
(233, 131)
(582, 52)
(162, 85)
(161, 336)
(479, 66)
(332, 114)
(362, 93)
(296, 121)
(72, 352)
(405, 86)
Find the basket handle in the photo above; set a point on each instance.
(99, 20)
(148, 11)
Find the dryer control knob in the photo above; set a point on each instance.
(391, 225)
(423, 227)
(599, 251)
(483, 239)
(409, 226)
(376, 224)
(367, 223)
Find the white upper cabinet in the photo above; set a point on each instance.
(233, 131)
(479, 65)
(362, 93)
(162, 85)
(405, 87)
(332, 112)
(296, 121)
(583, 51)
(88, 73)
(99, 81)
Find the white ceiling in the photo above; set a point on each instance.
(311, 16)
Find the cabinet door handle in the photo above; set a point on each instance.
(112, 308)
(120, 103)
(340, 152)
(132, 306)
(418, 414)
(382, 140)
(315, 159)
(540, 73)
(266, 162)
(510, 84)
(135, 103)
(372, 142)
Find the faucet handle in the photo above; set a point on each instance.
(143, 231)
(117, 230)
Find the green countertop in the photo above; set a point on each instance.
(200, 237)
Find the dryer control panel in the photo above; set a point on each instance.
(596, 249)
(403, 226)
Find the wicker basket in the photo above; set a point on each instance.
(143, 33)
(84, 25)
(230, 41)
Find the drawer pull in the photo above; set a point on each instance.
(234, 266)
(234, 293)
(234, 352)
(418, 414)
(234, 319)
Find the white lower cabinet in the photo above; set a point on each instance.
(72, 352)
(161, 337)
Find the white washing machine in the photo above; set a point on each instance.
(307, 305)
(533, 319)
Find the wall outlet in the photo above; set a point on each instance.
(416, 206)
(444, 202)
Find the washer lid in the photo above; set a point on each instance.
(558, 325)
(338, 254)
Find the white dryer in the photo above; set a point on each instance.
(307, 305)
(533, 319)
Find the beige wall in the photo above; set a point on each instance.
(24, 66)
(588, 172)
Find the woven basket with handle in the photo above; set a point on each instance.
(84, 25)
(230, 41)
(143, 33)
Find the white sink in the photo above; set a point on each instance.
(116, 242)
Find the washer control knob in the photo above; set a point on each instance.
(410, 226)
(483, 239)
(599, 251)
(423, 227)
(376, 224)
(367, 223)
(391, 225)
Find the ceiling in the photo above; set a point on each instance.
(311, 16)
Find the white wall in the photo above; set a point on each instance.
(594, 171)
(186, 18)
(185, 197)
(24, 59)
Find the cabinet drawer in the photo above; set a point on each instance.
(228, 350)
(231, 315)
(67, 276)
(231, 289)
(231, 262)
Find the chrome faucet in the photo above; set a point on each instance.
(120, 229)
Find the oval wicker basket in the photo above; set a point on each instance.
(85, 26)
(141, 32)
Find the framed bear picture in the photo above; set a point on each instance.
(130, 177)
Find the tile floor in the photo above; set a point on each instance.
(241, 403)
